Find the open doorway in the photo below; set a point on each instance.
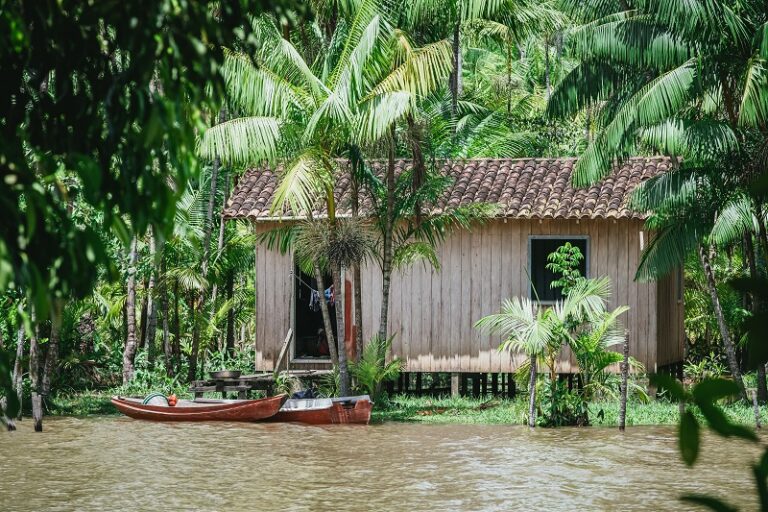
(311, 341)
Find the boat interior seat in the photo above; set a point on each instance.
(307, 403)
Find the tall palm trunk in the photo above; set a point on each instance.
(219, 248)
(176, 343)
(129, 354)
(357, 292)
(455, 78)
(151, 330)
(386, 267)
(54, 341)
(144, 313)
(419, 169)
(532, 393)
(338, 279)
(547, 80)
(34, 376)
(326, 315)
(730, 350)
(18, 371)
(167, 349)
(229, 344)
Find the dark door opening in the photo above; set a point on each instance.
(311, 341)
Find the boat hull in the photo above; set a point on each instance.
(212, 410)
(351, 410)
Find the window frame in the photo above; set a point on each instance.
(564, 238)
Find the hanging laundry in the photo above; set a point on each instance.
(330, 296)
(314, 301)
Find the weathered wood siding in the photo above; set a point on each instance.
(432, 312)
(671, 315)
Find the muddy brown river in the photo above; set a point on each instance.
(123, 464)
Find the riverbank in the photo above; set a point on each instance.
(477, 411)
(448, 410)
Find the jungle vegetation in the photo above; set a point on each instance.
(123, 130)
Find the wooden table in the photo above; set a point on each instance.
(245, 383)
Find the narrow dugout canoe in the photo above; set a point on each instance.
(208, 410)
(326, 411)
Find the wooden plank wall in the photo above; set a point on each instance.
(432, 312)
(671, 315)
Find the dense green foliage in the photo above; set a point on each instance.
(125, 128)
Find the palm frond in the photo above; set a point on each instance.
(242, 141)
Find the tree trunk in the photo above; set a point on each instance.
(143, 315)
(176, 342)
(129, 354)
(167, 349)
(149, 341)
(326, 315)
(532, 393)
(52, 355)
(18, 369)
(220, 241)
(196, 310)
(34, 377)
(389, 225)
(230, 336)
(624, 384)
(730, 350)
(456, 75)
(547, 80)
(338, 280)
(419, 169)
(357, 291)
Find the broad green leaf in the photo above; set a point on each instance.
(709, 502)
(689, 438)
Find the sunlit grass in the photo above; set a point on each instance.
(499, 411)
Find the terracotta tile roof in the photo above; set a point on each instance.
(537, 188)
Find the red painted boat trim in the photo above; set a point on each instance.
(358, 413)
(234, 410)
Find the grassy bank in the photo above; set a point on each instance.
(468, 410)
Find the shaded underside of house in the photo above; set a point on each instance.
(432, 311)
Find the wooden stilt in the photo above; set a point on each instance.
(455, 384)
(570, 382)
(37, 412)
(484, 384)
(475, 385)
(510, 386)
(494, 384)
(418, 384)
(463, 386)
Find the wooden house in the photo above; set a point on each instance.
(432, 312)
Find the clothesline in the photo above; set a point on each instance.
(314, 295)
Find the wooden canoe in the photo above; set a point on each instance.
(202, 410)
(326, 411)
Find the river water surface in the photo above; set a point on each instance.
(123, 464)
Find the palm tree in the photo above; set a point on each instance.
(352, 98)
(687, 81)
(537, 330)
